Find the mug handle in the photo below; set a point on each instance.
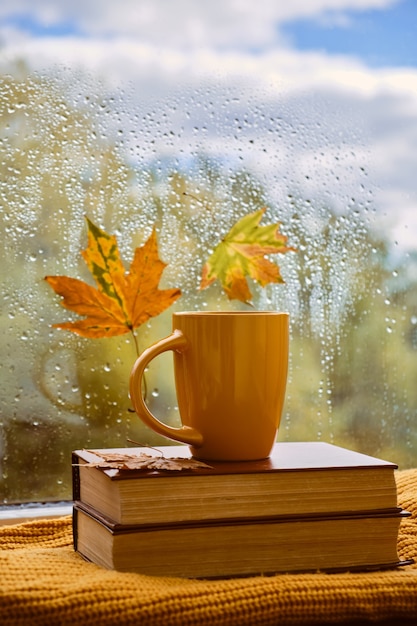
(186, 434)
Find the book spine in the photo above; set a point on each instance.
(75, 527)
(75, 477)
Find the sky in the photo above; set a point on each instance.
(379, 38)
(339, 78)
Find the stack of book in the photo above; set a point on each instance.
(310, 506)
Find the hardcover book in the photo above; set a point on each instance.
(299, 478)
(240, 547)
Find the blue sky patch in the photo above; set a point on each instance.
(384, 37)
(30, 25)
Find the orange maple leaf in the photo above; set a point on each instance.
(123, 300)
(241, 253)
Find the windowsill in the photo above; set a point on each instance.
(26, 513)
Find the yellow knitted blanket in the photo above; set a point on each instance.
(43, 581)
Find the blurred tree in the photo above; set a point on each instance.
(353, 374)
(57, 391)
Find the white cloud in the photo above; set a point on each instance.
(187, 23)
(338, 116)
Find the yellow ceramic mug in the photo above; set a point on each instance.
(230, 377)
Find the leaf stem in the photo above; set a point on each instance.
(145, 384)
(135, 340)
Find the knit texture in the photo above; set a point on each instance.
(43, 581)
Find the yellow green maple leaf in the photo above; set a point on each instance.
(122, 300)
(241, 253)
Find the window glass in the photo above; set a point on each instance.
(182, 117)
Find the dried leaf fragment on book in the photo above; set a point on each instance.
(143, 461)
